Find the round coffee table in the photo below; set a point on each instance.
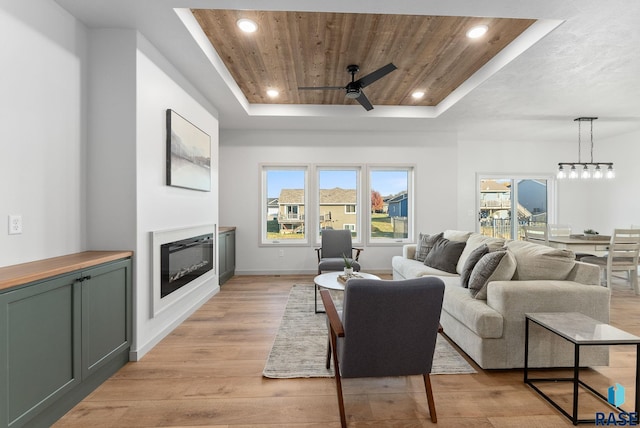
(330, 281)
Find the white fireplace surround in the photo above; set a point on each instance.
(161, 237)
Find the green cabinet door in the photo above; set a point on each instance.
(40, 346)
(226, 256)
(106, 314)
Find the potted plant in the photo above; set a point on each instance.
(590, 232)
(348, 265)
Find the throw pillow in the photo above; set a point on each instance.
(472, 260)
(495, 266)
(425, 243)
(444, 255)
(476, 240)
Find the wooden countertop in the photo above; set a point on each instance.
(11, 276)
(223, 229)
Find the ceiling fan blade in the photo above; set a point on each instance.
(378, 74)
(364, 101)
(307, 88)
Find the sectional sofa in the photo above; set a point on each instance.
(489, 324)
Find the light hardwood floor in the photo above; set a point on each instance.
(208, 373)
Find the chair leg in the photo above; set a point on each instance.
(336, 368)
(432, 404)
(633, 279)
(328, 365)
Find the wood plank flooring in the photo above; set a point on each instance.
(208, 373)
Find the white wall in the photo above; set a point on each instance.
(600, 205)
(160, 207)
(241, 152)
(131, 87)
(42, 114)
(616, 204)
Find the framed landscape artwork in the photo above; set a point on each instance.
(188, 154)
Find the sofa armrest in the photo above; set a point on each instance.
(409, 251)
(513, 299)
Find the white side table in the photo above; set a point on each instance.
(330, 281)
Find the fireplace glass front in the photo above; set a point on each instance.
(183, 261)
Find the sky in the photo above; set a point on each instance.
(385, 182)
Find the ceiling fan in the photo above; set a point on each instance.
(353, 89)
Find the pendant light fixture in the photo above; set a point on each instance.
(583, 170)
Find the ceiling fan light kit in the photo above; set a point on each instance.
(353, 89)
(585, 172)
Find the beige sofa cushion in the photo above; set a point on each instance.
(534, 261)
(475, 314)
(475, 240)
(409, 268)
(456, 235)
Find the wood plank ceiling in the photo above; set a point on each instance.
(292, 49)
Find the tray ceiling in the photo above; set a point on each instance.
(292, 49)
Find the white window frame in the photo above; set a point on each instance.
(411, 174)
(346, 211)
(352, 227)
(357, 168)
(552, 199)
(263, 241)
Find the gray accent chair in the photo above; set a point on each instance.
(386, 328)
(335, 244)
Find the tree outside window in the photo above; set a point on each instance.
(391, 204)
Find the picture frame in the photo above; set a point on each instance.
(188, 154)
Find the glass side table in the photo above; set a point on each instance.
(580, 330)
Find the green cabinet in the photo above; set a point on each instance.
(226, 254)
(60, 337)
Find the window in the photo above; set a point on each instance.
(295, 203)
(508, 203)
(338, 195)
(284, 198)
(391, 217)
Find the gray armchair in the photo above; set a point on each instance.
(335, 244)
(387, 328)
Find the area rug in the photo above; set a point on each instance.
(299, 349)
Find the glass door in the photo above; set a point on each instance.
(507, 204)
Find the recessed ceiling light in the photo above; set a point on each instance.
(247, 25)
(477, 31)
(272, 93)
(418, 94)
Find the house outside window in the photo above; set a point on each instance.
(284, 201)
(391, 213)
(338, 189)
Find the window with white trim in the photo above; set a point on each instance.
(338, 198)
(391, 213)
(284, 202)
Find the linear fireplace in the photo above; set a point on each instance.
(184, 260)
